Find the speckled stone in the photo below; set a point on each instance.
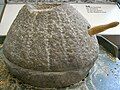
(49, 46)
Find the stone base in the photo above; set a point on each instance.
(45, 79)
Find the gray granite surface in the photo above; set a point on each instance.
(68, 1)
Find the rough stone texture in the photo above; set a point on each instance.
(49, 46)
(68, 1)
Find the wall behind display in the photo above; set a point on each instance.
(118, 1)
(2, 2)
(73, 1)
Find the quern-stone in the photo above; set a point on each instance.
(48, 46)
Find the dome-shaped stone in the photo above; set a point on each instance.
(49, 46)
